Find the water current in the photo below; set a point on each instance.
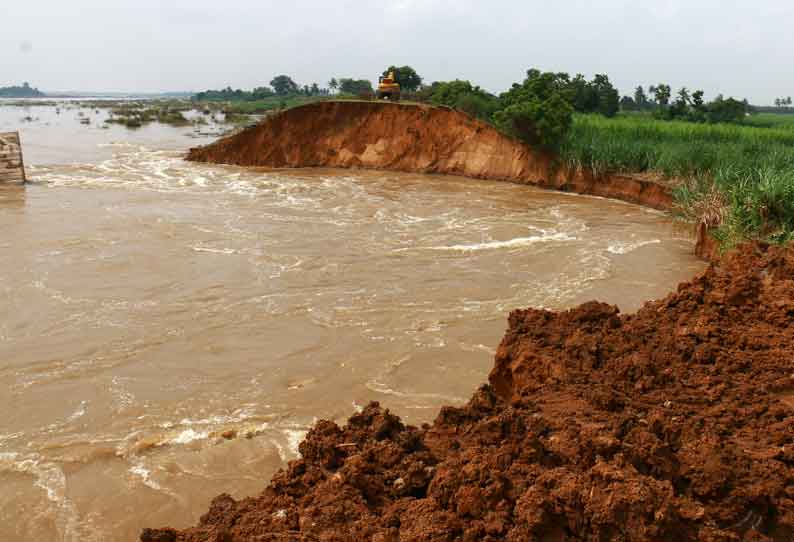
(169, 331)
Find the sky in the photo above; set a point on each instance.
(737, 48)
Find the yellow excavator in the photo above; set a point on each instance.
(388, 88)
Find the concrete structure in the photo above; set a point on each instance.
(12, 168)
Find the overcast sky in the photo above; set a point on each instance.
(740, 48)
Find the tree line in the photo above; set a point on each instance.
(285, 86)
(686, 105)
(21, 91)
(538, 110)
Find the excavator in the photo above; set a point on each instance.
(388, 88)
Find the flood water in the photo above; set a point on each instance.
(148, 306)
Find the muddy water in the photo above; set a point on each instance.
(149, 308)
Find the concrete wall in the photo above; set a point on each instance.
(12, 168)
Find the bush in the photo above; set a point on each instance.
(461, 95)
(538, 111)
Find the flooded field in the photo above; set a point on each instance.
(169, 330)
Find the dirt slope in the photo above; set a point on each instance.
(675, 423)
(410, 138)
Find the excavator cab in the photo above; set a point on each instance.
(388, 88)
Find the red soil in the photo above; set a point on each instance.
(411, 138)
(672, 424)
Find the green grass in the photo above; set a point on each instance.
(739, 178)
(265, 105)
(772, 120)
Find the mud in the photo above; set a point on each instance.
(412, 138)
(706, 246)
(674, 423)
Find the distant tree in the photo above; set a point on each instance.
(697, 99)
(662, 93)
(262, 92)
(582, 95)
(788, 100)
(315, 89)
(680, 109)
(333, 84)
(627, 103)
(355, 86)
(608, 97)
(730, 110)
(640, 98)
(777, 102)
(284, 85)
(23, 91)
(406, 76)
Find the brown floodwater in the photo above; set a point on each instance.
(149, 305)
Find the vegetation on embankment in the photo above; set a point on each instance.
(737, 179)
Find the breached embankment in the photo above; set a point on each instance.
(674, 423)
(412, 138)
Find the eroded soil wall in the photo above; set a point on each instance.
(411, 138)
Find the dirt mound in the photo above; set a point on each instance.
(412, 138)
(675, 423)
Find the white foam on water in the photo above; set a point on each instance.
(50, 478)
(294, 438)
(145, 475)
(626, 247)
(79, 413)
(225, 251)
(517, 242)
(189, 435)
(379, 387)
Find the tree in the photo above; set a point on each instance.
(730, 110)
(607, 94)
(464, 96)
(582, 95)
(355, 86)
(538, 111)
(284, 85)
(262, 92)
(640, 98)
(697, 100)
(406, 76)
(627, 103)
(333, 84)
(662, 94)
(680, 108)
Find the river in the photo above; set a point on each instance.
(169, 330)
